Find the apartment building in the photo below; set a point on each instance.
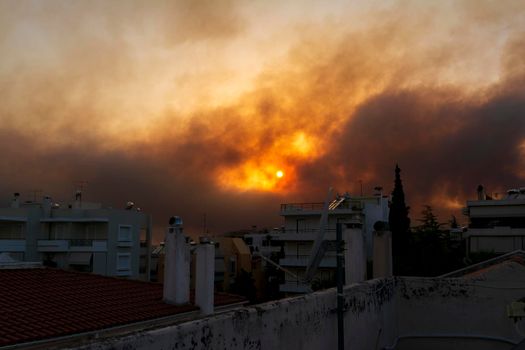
(296, 237)
(81, 236)
(496, 225)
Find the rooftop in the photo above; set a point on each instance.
(510, 260)
(44, 303)
(340, 202)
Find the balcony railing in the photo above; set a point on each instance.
(294, 287)
(319, 206)
(80, 242)
(301, 260)
(65, 245)
(307, 230)
(302, 206)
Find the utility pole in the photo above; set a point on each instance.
(340, 295)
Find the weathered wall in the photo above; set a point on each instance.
(305, 322)
(394, 313)
(456, 311)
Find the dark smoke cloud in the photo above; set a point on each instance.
(369, 98)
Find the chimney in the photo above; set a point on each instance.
(382, 258)
(205, 276)
(177, 264)
(355, 256)
(481, 193)
(46, 206)
(16, 200)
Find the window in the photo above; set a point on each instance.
(124, 233)
(9, 230)
(59, 230)
(123, 264)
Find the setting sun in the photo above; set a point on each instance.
(279, 173)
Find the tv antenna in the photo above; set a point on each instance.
(35, 192)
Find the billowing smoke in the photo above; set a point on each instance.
(158, 102)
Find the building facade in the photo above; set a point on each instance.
(496, 225)
(301, 225)
(83, 237)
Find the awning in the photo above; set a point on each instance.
(80, 258)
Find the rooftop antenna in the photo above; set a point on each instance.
(35, 192)
(81, 184)
(204, 228)
(80, 190)
(361, 186)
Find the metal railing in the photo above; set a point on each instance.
(319, 206)
(78, 242)
(307, 230)
(302, 206)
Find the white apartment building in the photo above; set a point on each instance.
(301, 225)
(82, 236)
(496, 225)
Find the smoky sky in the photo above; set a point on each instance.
(182, 108)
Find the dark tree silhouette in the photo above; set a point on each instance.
(433, 252)
(429, 221)
(399, 223)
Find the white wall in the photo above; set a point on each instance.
(457, 307)
(305, 322)
(380, 313)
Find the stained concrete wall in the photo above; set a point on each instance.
(305, 322)
(455, 313)
(394, 313)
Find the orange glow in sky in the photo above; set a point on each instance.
(265, 169)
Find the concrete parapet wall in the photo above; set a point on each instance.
(305, 322)
(391, 313)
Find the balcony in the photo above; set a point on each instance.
(71, 245)
(53, 245)
(316, 208)
(294, 287)
(306, 235)
(302, 261)
(12, 245)
(497, 231)
(88, 245)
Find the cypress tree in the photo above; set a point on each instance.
(399, 223)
